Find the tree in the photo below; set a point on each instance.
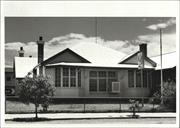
(134, 106)
(36, 90)
(169, 94)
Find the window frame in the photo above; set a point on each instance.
(148, 77)
(68, 76)
(106, 77)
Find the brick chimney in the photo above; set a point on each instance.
(40, 44)
(143, 49)
(21, 52)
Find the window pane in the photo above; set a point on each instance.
(73, 71)
(111, 74)
(93, 85)
(149, 79)
(65, 82)
(131, 78)
(138, 78)
(102, 84)
(8, 78)
(102, 74)
(145, 79)
(93, 74)
(79, 79)
(57, 77)
(73, 82)
(65, 72)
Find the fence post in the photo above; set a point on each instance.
(119, 107)
(153, 106)
(84, 108)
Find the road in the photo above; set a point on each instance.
(105, 121)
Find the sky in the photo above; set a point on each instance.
(119, 33)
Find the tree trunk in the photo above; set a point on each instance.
(134, 113)
(36, 111)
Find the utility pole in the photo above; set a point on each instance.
(162, 100)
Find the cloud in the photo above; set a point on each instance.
(170, 22)
(168, 43)
(57, 44)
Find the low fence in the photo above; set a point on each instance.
(109, 104)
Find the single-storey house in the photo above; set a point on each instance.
(91, 70)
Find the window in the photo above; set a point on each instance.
(93, 85)
(93, 81)
(93, 74)
(101, 81)
(79, 79)
(102, 74)
(73, 77)
(112, 77)
(131, 78)
(102, 84)
(149, 79)
(138, 78)
(111, 74)
(67, 77)
(57, 77)
(145, 79)
(8, 78)
(134, 78)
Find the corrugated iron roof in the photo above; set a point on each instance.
(23, 65)
(169, 60)
(98, 54)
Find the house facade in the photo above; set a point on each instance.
(92, 70)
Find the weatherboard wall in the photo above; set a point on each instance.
(83, 91)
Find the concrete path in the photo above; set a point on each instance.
(65, 116)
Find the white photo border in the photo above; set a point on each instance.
(87, 9)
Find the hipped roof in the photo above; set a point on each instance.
(96, 55)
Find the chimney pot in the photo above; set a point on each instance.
(143, 49)
(40, 38)
(21, 52)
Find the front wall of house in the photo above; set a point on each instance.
(62, 91)
(83, 91)
(125, 91)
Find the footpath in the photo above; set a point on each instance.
(70, 116)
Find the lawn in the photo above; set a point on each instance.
(18, 107)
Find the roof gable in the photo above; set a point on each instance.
(66, 55)
(132, 59)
